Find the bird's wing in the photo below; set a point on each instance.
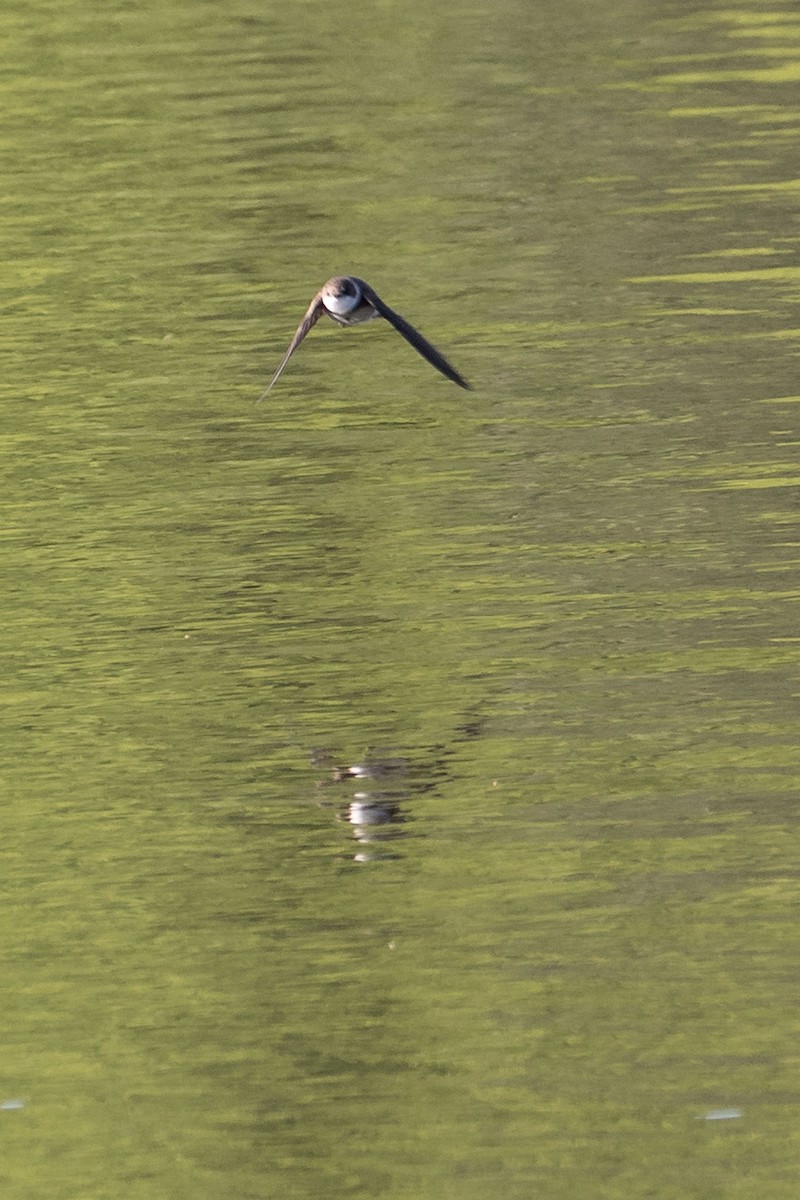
(413, 336)
(315, 310)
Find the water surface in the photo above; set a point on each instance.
(546, 950)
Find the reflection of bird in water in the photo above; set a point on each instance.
(374, 816)
(366, 811)
(350, 301)
(370, 768)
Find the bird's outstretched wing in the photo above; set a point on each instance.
(412, 335)
(315, 311)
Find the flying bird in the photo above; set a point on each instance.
(350, 301)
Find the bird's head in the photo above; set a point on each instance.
(341, 295)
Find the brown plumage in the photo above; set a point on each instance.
(350, 301)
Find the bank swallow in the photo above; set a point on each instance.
(350, 301)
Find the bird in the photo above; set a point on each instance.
(350, 301)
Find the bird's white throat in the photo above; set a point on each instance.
(340, 306)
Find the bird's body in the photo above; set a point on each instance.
(351, 301)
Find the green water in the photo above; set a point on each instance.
(567, 599)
